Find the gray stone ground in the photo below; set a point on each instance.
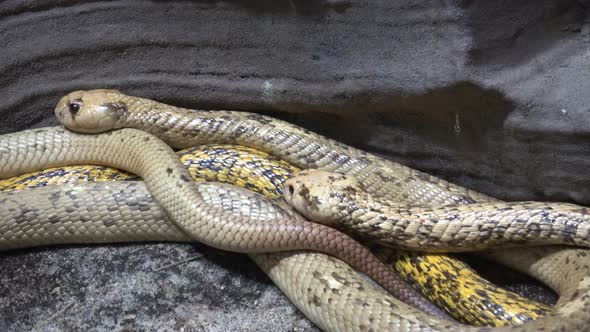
(493, 95)
(139, 287)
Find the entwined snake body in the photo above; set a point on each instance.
(447, 281)
(382, 178)
(339, 200)
(187, 204)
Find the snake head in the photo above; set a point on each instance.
(92, 111)
(321, 196)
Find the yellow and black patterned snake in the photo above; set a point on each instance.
(368, 309)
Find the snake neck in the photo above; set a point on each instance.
(460, 228)
(182, 128)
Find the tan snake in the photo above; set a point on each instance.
(109, 109)
(414, 187)
(109, 212)
(186, 203)
(340, 200)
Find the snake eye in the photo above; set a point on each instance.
(290, 189)
(74, 107)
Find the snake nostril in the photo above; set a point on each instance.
(290, 189)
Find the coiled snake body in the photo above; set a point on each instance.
(186, 203)
(448, 282)
(382, 178)
(337, 199)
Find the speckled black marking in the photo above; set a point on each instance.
(316, 301)
(117, 110)
(384, 177)
(185, 178)
(570, 230)
(169, 170)
(144, 207)
(350, 190)
(340, 196)
(53, 219)
(24, 215)
(340, 279)
(211, 124)
(259, 118)
(71, 194)
(239, 131)
(462, 199)
(341, 159)
(304, 193)
(392, 305)
(268, 138)
(54, 197)
(312, 201)
(109, 222)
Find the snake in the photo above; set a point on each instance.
(103, 110)
(340, 200)
(565, 270)
(186, 204)
(450, 283)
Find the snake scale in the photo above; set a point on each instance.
(448, 282)
(565, 270)
(339, 200)
(186, 203)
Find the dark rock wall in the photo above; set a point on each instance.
(493, 95)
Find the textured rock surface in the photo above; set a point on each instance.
(176, 287)
(493, 95)
(139, 288)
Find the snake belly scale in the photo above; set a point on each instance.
(262, 173)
